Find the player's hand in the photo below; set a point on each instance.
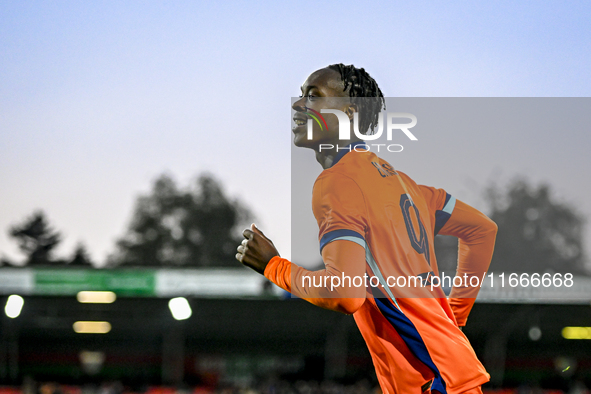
(256, 250)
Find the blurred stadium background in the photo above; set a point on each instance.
(173, 312)
(236, 333)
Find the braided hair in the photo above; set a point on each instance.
(361, 85)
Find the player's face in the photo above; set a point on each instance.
(322, 89)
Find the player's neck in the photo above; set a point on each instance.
(326, 157)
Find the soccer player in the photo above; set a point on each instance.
(376, 222)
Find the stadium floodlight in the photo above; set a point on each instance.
(14, 305)
(96, 297)
(576, 332)
(92, 327)
(180, 308)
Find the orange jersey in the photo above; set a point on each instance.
(367, 212)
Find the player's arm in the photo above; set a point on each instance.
(323, 288)
(476, 233)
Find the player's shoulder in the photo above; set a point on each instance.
(347, 168)
(343, 180)
(436, 198)
(364, 169)
(355, 165)
(334, 180)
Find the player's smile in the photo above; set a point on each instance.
(299, 128)
(300, 119)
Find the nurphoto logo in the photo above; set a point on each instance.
(345, 128)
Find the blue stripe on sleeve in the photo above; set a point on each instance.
(450, 204)
(333, 235)
(443, 215)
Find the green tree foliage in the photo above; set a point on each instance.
(36, 239)
(197, 226)
(536, 233)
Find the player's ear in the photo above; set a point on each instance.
(350, 110)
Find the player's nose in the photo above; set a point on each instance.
(299, 105)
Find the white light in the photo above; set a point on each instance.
(14, 305)
(535, 334)
(92, 362)
(92, 327)
(180, 308)
(96, 297)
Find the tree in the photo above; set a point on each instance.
(36, 239)
(80, 258)
(196, 226)
(536, 233)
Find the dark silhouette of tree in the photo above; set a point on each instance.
(536, 233)
(81, 258)
(196, 226)
(36, 239)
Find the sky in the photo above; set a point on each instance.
(99, 98)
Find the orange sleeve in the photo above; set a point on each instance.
(325, 288)
(476, 233)
(435, 198)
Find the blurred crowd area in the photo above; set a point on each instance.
(275, 387)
